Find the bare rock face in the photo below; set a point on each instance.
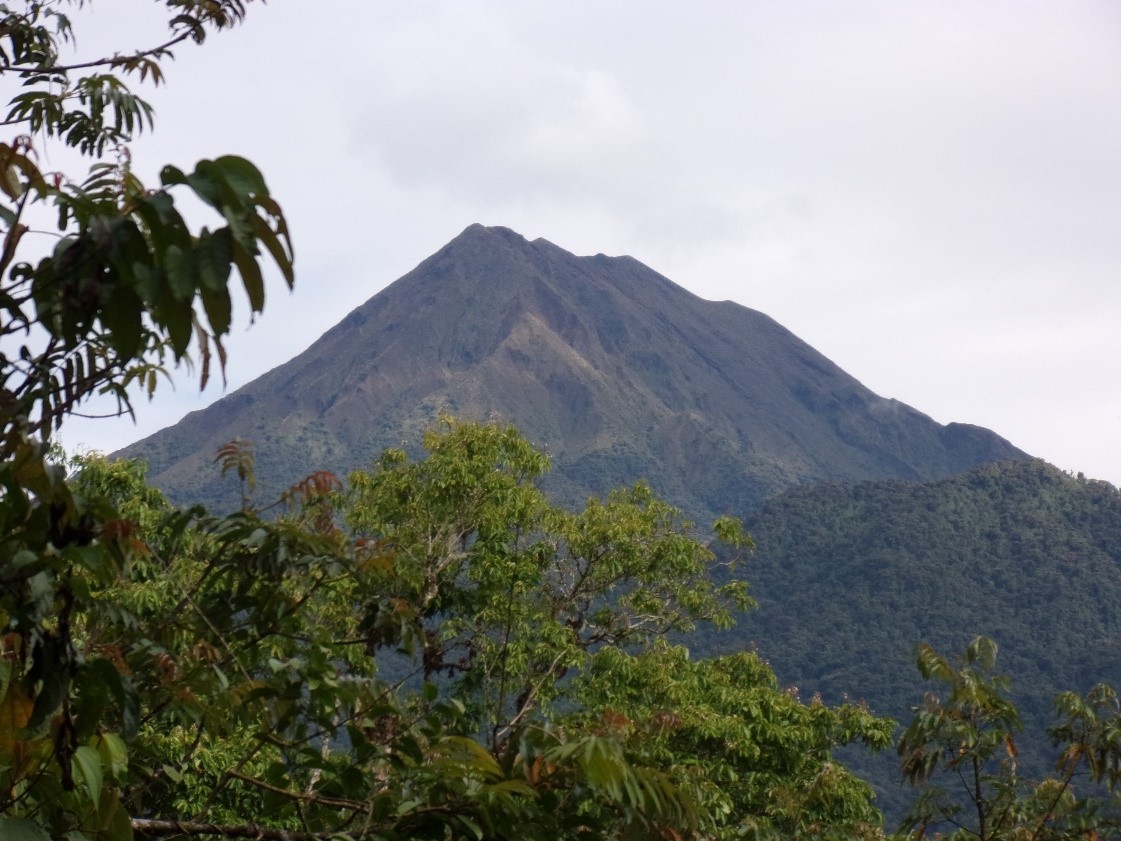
(616, 371)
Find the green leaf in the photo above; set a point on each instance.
(218, 308)
(122, 318)
(473, 827)
(99, 683)
(165, 225)
(21, 829)
(205, 182)
(172, 175)
(242, 176)
(116, 824)
(214, 256)
(181, 274)
(178, 321)
(148, 283)
(272, 243)
(250, 276)
(87, 771)
(172, 774)
(114, 755)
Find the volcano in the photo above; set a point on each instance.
(617, 372)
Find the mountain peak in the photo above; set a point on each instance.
(618, 371)
(493, 240)
(477, 234)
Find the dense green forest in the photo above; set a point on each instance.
(1018, 551)
(168, 673)
(850, 577)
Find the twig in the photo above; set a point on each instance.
(306, 797)
(112, 61)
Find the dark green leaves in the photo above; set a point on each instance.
(134, 280)
(22, 829)
(128, 284)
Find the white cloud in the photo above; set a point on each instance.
(446, 108)
(928, 193)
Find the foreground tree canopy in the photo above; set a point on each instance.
(960, 751)
(462, 657)
(428, 650)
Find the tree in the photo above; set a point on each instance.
(261, 708)
(511, 593)
(968, 737)
(760, 758)
(466, 658)
(127, 285)
(531, 613)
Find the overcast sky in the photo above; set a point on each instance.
(929, 193)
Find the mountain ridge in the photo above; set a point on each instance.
(615, 370)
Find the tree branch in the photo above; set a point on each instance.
(146, 828)
(113, 61)
(307, 797)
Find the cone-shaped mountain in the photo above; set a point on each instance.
(619, 373)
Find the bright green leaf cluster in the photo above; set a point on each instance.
(508, 593)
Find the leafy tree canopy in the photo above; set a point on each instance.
(960, 752)
(460, 657)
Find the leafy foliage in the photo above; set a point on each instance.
(967, 736)
(248, 653)
(127, 285)
(849, 577)
(510, 592)
(761, 759)
(456, 661)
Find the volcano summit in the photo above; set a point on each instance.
(617, 372)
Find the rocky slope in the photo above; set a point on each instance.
(617, 371)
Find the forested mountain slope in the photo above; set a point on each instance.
(619, 373)
(850, 577)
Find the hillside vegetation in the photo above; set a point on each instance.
(850, 577)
